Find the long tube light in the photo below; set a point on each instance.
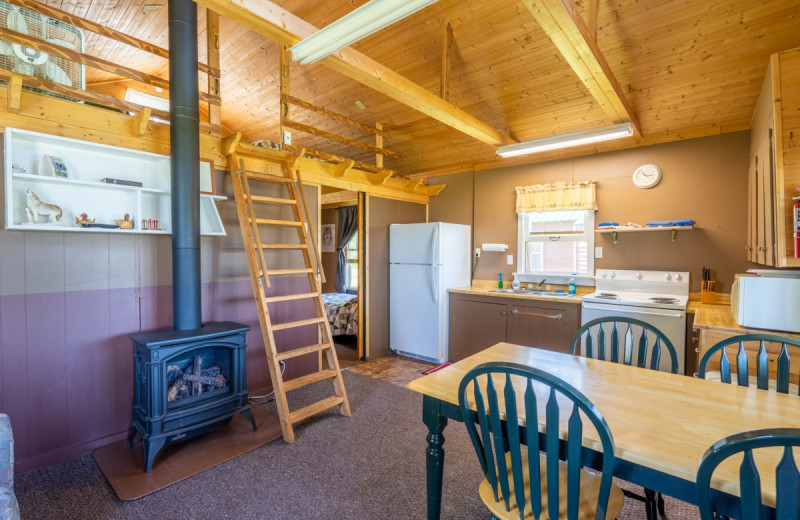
(358, 24)
(564, 141)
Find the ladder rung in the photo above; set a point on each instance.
(300, 323)
(271, 222)
(294, 384)
(267, 177)
(287, 297)
(282, 246)
(284, 272)
(308, 411)
(271, 200)
(302, 351)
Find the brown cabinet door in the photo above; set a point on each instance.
(547, 326)
(474, 326)
(692, 347)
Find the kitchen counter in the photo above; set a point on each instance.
(485, 289)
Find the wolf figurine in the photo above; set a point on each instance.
(36, 208)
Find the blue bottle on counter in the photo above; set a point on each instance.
(499, 280)
(572, 288)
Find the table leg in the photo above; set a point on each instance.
(434, 454)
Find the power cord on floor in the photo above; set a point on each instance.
(271, 394)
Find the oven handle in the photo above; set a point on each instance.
(610, 309)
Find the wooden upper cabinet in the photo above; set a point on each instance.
(775, 164)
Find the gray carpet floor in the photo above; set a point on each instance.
(368, 466)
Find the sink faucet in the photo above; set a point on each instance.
(539, 284)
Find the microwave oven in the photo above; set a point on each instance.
(766, 302)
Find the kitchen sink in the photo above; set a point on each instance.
(533, 292)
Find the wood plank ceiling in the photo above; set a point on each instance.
(687, 68)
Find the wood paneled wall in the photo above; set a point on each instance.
(703, 179)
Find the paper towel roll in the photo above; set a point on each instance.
(495, 247)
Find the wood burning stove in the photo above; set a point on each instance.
(188, 382)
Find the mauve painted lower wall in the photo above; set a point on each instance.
(66, 360)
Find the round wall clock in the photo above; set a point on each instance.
(647, 176)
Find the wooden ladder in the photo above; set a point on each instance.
(252, 225)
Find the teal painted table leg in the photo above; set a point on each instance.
(434, 454)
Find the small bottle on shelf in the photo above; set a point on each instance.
(499, 280)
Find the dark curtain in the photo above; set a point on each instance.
(348, 225)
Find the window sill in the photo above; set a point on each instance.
(554, 278)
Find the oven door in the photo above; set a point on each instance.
(672, 322)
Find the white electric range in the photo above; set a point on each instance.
(658, 298)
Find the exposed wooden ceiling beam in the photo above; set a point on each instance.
(570, 34)
(280, 25)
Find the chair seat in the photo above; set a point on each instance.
(589, 489)
(716, 375)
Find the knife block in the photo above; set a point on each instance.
(707, 292)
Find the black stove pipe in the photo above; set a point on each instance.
(184, 143)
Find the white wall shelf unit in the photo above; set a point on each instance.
(27, 167)
(673, 229)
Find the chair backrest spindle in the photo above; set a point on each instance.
(636, 336)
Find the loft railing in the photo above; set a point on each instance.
(17, 80)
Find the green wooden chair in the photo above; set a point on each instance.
(624, 340)
(750, 504)
(525, 483)
(772, 362)
(631, 342)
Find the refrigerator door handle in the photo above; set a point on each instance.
(434, 242)
(434, 285)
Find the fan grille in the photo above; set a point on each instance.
(50, 30)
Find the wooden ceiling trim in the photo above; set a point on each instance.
(339, 197)
(572, 38)
(287, 29)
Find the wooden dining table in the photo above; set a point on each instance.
(662, 423)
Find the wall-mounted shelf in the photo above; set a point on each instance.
(673, 229)
(82, 190)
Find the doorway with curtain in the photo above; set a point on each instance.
(342, 260)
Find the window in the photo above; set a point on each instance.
(351, 263)
(556, 243)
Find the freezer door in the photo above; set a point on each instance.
(416, 321)
(414, 243)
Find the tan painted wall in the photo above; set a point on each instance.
(330, 260)
(381, 213)
(703, 179)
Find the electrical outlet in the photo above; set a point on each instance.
(598, 252)
(477, 252)
(510, 259)
(287, 137)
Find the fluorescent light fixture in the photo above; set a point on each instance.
(564, 141)
(358, 24)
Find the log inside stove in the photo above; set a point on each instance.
(188, 378)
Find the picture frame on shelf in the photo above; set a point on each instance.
(207, 177)
(54, 166)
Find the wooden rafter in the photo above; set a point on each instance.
(280, 25)
(591, 17)
(570, 34)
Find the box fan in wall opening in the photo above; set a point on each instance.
(31, 62)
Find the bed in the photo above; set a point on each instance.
(342, 311)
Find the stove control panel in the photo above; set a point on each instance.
(657, 282)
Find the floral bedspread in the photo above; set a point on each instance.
(342, 311)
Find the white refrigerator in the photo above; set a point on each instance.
(424, 261)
